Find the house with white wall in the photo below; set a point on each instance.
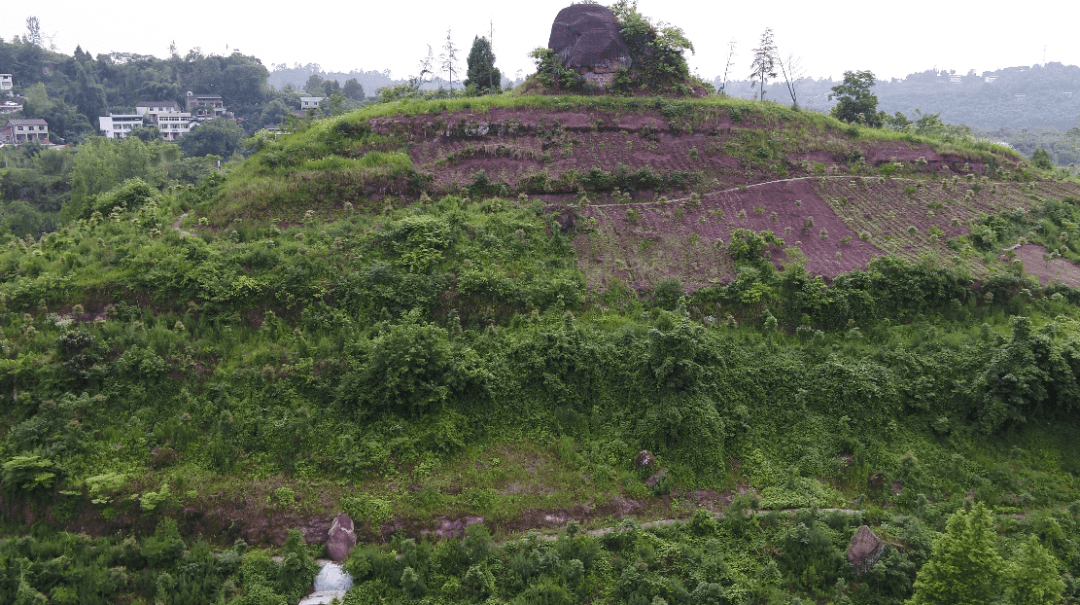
(118, 126)
(152, 109)
(175, 125)
(168, 116)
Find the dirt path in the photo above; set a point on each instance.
(763, 183)
(176, 225)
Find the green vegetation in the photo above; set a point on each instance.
(320, 327)
(855, 102)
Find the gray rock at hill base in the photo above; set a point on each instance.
(865, 549)
(342, 538)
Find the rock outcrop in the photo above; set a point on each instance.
(342, 538)
(865, 549)
(586, 37)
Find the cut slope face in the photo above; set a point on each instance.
(561, 147)
(834, 194)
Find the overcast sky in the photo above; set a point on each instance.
(891, 39)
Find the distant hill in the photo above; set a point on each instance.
(1040, 96)
(297, 76)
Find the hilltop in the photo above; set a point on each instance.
(462, 320)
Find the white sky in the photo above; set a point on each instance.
(891, 39)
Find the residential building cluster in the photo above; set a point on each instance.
(172, 120)
(17, 131)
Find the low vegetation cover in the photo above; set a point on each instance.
(188, 370)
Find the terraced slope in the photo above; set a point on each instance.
(653, 189)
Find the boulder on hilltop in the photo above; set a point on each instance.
(586, 37)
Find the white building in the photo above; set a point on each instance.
(118, 126)
(168, 117)
(154, 108)
(175, 125)
(6, 83)
(307, 103)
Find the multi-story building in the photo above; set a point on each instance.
(205, 106)
(118, 126)
(6, 83)
(175, 124)
(153, 109)
(18, 131)
(168, 117)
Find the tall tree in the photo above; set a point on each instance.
(964, 567)
(856, 103)
(482, 72)
(764, 64)
(448, 60)
(353, 89)
(1032, 577)
(314, 85)
(219, 136)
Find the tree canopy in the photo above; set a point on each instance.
(219, 136)
(855, 102)
(482, 75)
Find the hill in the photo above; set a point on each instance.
(462, 320)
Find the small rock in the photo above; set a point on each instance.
(644, 458)
(342, 538)
(865, 549)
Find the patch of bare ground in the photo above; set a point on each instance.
(1038, 263)
(643, 243)
(837, 223)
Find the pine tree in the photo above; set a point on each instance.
(964, 567)
(482, 72)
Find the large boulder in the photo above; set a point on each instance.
(586, 37)
(342, 537)
(865, 549)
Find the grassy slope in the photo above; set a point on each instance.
(418, 362)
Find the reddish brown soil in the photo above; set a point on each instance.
(735, 164)
(672, 227)
(511, 143)
(1058, 270)
(642, 243)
